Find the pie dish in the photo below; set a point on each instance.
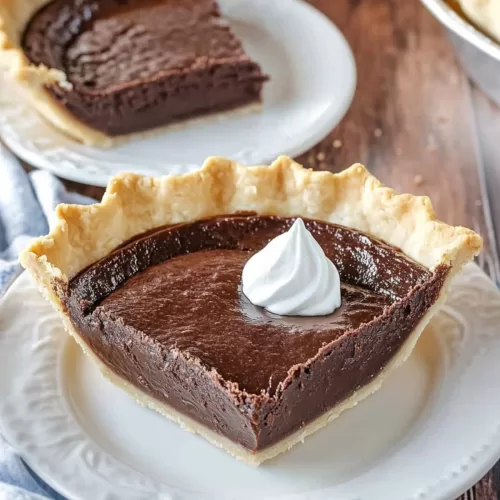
(105, 71)
(477, 49)
(483, 13)
(148, 283)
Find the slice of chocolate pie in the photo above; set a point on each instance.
(104, 70)
(149, 283)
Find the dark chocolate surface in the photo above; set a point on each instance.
(166, 312)
(247, 345)
(136, 64)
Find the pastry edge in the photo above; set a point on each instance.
(29, 81)
(134, 204)
(237, 451)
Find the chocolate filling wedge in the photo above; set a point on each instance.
(149, 283)
(103, 71)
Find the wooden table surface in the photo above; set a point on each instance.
(418, 124)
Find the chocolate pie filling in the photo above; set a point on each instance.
(139, 64)
(166, 313)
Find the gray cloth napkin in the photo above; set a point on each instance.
(27, 205)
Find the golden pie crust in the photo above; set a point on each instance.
(134, 204)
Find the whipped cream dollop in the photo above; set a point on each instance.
(292, 276)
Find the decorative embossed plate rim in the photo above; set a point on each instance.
(429, 433)
(308, 94)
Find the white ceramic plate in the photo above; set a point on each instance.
(432, 430)
(313, 78)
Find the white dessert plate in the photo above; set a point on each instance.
(431, 431)
(313, 78)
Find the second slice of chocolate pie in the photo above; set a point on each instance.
(105, 70)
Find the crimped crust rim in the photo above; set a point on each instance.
(134, 204)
